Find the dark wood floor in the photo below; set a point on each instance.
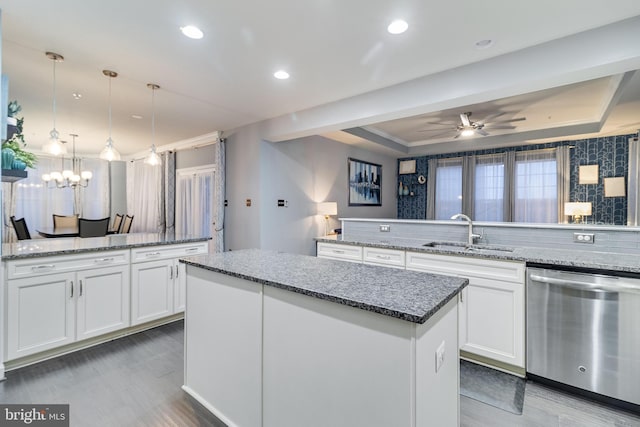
(135, 381)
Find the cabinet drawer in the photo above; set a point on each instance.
(341, 252)
(63, 263)
(509, 271)
(385, 257)
(150, 253)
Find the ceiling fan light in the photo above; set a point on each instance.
(467, 132)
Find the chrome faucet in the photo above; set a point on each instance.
(472, 236)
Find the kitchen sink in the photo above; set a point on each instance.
(463, 247)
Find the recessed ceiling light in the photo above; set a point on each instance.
(281, 75)
(192, 32)
(76, 95)
(484, 44)
(136, 116)
(398, 26)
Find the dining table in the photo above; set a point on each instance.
(50, 232)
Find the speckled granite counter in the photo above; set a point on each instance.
(607, 261)
(72, 245)
(407, 295)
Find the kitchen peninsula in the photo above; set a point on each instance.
(278, 339)
(60, 295)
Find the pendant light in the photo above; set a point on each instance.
(153, 158)
(53, 145)
(109, 152)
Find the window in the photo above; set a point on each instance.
(448, 188)
(488, 204)
(536, 187)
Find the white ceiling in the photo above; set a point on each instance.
(333, 49)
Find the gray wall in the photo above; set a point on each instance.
(303, 172)
(194, 157)
(118, 178)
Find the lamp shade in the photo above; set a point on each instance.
(328, 208)
(577, 208)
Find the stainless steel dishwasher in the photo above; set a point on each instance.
(584, 330)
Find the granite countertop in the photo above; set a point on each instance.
(407, 295)
(72, 245)
(607, 261)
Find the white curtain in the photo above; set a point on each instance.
(448, 194)
(195, 208)
(489, 188)
(30, 198)
(144, 197)
(633, 201)
(563, 159)
(219, 196)
(536, 187)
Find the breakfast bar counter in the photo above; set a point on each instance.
(278, 339)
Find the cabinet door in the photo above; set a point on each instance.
(151, 290)
(40, 313)
(492, 320)
(103, 301)
(180, 283)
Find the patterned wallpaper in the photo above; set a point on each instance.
(609, 153)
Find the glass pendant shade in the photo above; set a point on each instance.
(109, 152)
(153, 159)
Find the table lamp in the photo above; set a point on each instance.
(577, 210)
(327, 209)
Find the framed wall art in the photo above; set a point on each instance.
(365, 183)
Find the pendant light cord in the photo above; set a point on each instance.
(153, 117)
(110, 78)
(54, 93)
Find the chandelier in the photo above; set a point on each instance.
(69, 178)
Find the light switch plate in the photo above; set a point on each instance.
(439, 356)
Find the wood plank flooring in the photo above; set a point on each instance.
(135, 381)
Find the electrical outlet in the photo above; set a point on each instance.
(439, 356)
(283, 203)
(584, 237)
(248, 202)
(385, 228)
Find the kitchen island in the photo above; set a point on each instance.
(275, 339)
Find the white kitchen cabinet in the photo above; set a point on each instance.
(40, 314)
(152, 290)
(103, 301)
(491, 312)
(50, 305)
(157, 280)
(386, 257)
(339, 251)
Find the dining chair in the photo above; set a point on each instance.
(117, 223)
(93, 227)
(126, 225)
(20, 226)
(65, 221)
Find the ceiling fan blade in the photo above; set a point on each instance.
(447, 123)
(457, 136)
(441, 134)
(500, 126)
(482, 132)
(448, 129)
(517, 119)
(491, 117)
(464, 117)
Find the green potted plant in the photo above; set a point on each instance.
(14, 155)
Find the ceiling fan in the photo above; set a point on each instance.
(466, 127)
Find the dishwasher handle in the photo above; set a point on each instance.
(584, 286)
